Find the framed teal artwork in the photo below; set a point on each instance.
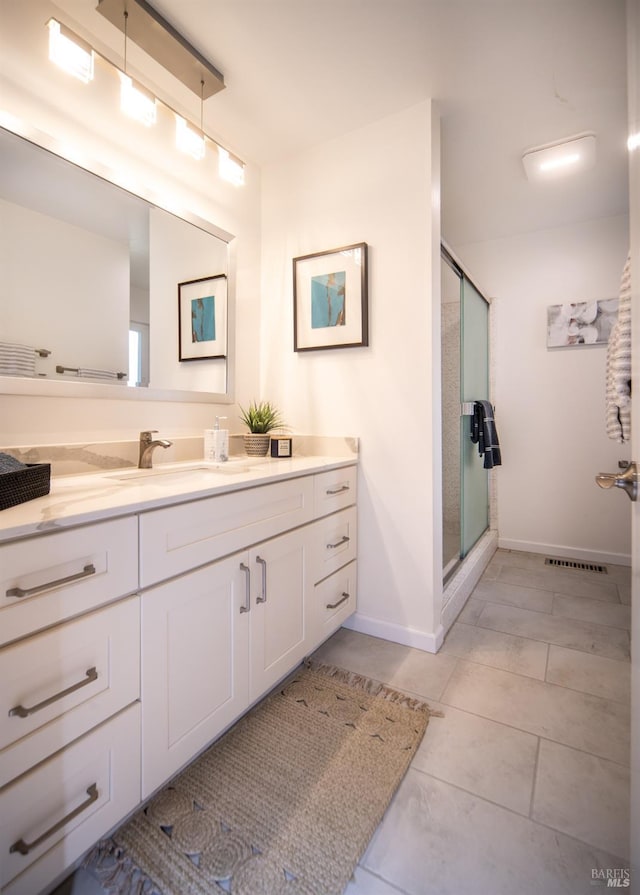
(202, 318)
(330, 299)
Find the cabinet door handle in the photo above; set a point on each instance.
(337, 490)
(88, 570)
(343, 540)
(247, 592)
(263, 597)
(25, 847)
(343, 599)
(23, 712)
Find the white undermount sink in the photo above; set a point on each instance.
(183, 472)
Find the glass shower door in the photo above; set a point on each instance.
(474, 386)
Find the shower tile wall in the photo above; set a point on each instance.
(451, 430)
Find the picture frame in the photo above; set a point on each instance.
(202, 318)
(330, 299)
(582, 323)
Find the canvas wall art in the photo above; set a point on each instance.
(581, 323)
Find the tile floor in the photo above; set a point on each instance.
(522, 786)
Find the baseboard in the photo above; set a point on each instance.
(462, 583)
(376, 627)
(595, 556)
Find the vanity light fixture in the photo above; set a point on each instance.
(136, 101)
(69, 52)
(141, 23)
(230, 167)
(555, 160)
(634, 141)
(188, 139)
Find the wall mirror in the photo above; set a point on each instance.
(89, 280)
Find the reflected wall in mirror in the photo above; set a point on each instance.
(90, 272)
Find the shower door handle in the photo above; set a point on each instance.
(628, 481)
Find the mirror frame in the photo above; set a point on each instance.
(14, 385)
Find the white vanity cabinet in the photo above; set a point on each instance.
(213, 641)
(278, 626)
(52, 815)
(218, 637)
(69, 701)
(195, 664)
(128, 645)
(50, 577)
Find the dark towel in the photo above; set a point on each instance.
(484, 434)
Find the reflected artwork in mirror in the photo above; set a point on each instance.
(89, 274)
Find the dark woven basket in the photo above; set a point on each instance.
(21, 485)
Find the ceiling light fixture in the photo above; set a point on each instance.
(556, 160)
(69, 52)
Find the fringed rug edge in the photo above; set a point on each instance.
(371, 686)
(117, 873)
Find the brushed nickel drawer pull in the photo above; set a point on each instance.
(345, 597)
(25, 847)
(338, 490)
(247, 593)
(24, 712)
(343, 540)
(263, 597)
(88, 570)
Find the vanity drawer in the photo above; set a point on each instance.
(335, 489)
(335, 542)
(334, 600)
(48, 578)
(180, 538)
(59, 684)
(92, 784)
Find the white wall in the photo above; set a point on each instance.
(550, 407)
(178, 253)
(346, 191)
(65, 287)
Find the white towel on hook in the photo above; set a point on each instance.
(618, 377)
(96, 374)
(17, 360)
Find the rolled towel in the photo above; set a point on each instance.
(96, 374)
(9, 463)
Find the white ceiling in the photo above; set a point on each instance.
(507, 75)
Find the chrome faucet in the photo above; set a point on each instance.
(147, 447)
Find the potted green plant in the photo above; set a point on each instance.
(260, 419)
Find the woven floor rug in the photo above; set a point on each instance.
(284, 803)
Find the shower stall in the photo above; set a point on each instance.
(465, 379)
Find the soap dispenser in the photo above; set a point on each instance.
(216, 442)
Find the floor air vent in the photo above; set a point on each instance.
(573, 564)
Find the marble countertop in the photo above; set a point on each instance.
(95, 496)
